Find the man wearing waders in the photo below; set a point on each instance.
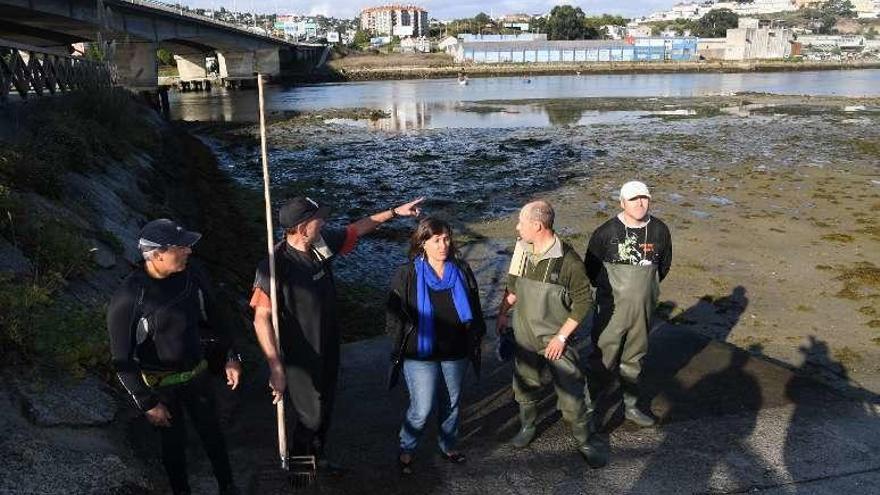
(551, 294)
(308, 316)
(157, 320)
(627, 258)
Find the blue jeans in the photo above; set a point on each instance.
(421, 381)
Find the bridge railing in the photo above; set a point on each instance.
(154, 4)
(30, 71)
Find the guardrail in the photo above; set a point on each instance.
(28, 71)
(192, 15)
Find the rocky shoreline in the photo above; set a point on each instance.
(351, 72)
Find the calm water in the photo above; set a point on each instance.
(443, 103)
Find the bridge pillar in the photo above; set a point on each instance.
(244, 66)
(236, 64)
(268, 61)
(136, 65)
(191, 66)
(192, 71)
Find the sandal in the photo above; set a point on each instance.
(405, 466)
(454, 457)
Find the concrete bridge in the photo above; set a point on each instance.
(130, 31)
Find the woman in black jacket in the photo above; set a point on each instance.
(436, 324)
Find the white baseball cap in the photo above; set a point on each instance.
(633, 189)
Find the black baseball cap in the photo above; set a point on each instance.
(299, 210)
(163, 232)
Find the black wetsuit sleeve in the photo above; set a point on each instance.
(395, 315)
(121, 318)
(665, 254)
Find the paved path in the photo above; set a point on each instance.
(731, 422)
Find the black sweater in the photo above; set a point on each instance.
(453, 340)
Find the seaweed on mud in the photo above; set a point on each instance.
(485, 159)
(868, 147)
(859, 280)
(838, 237)
(423, 157)
(524, 143)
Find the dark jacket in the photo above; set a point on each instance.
(401, 312)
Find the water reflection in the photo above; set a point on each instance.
(439, 103)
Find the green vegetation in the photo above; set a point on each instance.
(70, 134)
(79, 132)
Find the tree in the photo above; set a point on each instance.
(165, 57)
(538, 24)
(829, 13)
(716, 23)
(566, 23)
(361, 38)
(839, 8)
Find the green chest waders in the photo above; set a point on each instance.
(541, 309)
(623, 341)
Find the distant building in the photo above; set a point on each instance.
(756, 7)
(448, 44)
(638, 49)
(395, 20)
(615, 32)
(297, 27)
(413, 45)
(497, 38)
(830, 42)
(638, 31)
(711, 48)
(516, 21)
(866, 9)
(753, 40)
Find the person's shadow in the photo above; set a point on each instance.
(673, 343)
(813, 444)
(732, 389)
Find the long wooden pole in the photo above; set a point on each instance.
(270, 246)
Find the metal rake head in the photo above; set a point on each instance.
(303, 471)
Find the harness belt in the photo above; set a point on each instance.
(167, 378)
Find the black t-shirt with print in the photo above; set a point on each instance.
(614, 242)
(307, 300)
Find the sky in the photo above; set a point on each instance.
(439, 9)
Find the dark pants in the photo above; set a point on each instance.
(195, 399)
(312, 394)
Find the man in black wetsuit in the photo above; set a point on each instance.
(627, 258)
(156, 320)
(308, 318)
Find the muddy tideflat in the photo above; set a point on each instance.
(771, 200)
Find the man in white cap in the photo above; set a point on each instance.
(627, 258)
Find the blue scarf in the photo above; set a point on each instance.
(427, 280)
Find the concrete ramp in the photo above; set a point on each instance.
(731, 422)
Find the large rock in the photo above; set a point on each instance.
(53, 402)
(65, 460)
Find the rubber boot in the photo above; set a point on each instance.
(636, 415)
(595, 451)
(528, 414)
